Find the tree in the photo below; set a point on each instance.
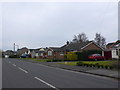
(75, 39)
(80, 38)
(100, 40)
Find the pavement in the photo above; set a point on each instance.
(90, 70)
(19, 73)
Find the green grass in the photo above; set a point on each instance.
(90, 62)
(45, 60)
(35, 59)
(68, 63)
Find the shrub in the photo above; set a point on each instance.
(106, 67)
(101, 66)
(71, 56)
(48, 60)
(80, 63)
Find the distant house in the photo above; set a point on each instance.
(21, 51)
(37, 53)
(8, 53)
(55, 53)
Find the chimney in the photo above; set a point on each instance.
(67, 42)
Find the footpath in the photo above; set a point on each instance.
(89, 70)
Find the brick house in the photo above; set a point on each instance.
(55, 53)
(90, 45)
(59, 52)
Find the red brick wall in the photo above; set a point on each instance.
(92, 46)
(58, 55)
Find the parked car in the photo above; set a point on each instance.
(96, 57)
(24, 56)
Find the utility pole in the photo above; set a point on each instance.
(14, 47)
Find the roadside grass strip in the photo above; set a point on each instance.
(89, 62)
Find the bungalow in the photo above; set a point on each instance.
(59, 52)
(55, 53)
(37, 53)
(90, 45)
(21, 51)
(8, 53)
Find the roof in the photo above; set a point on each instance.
(55, 48)
(74, 46)
(77, 46)
(114, 44)
(36, 50)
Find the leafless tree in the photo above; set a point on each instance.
(100, 40)
(80, 38)
(75, 39)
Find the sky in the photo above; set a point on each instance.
(51, 24)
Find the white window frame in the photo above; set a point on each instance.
(49, 53)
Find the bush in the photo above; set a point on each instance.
(48, 60)
(80, 63)
(71, 56)
(106, 67)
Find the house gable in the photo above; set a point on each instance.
(92, 46)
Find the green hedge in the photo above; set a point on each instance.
(80, 63)
(71, 56)
(84, 54)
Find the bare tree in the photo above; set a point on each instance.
(75, 39)
(100, 40)
(80, 38)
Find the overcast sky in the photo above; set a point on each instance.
(36, 25)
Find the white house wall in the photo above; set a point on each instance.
(114, 54)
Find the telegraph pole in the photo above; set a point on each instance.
(14, 47)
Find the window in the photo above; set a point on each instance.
(61, 53)
(41, 54)
(49, 53)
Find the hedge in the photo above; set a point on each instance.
(80, 63)
(71, 56)
(84, 54)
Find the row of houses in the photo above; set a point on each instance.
(112, 50)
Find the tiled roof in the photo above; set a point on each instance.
(74, 46)
(55, 48)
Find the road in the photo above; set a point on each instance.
(21, 74)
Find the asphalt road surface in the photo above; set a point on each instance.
(21, 74)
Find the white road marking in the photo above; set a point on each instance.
(14, 65)
(46, 83)
(23, 70)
